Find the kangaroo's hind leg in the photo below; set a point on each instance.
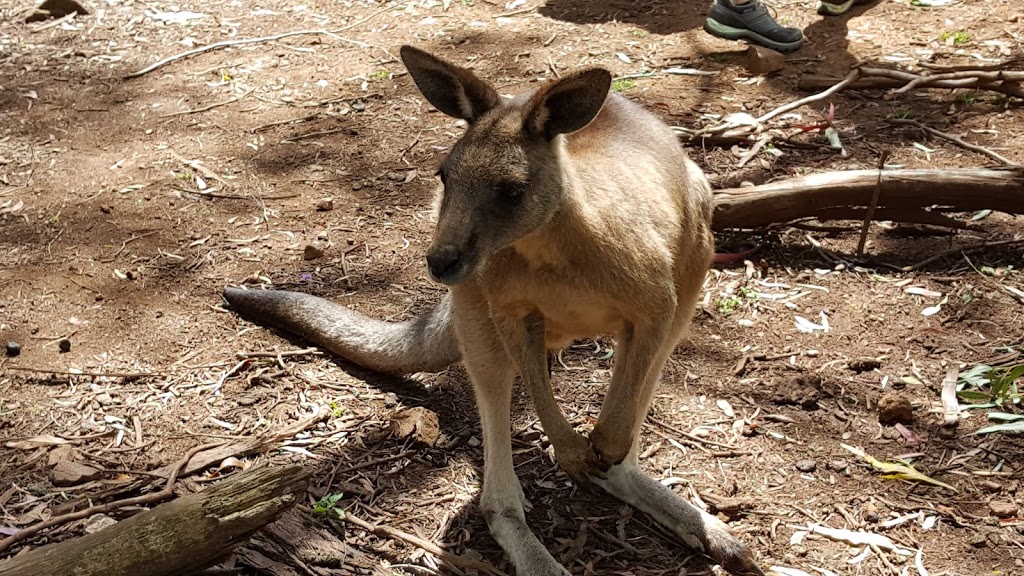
(642, 356)
(493, 373)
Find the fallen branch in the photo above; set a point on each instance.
(160, 496)
(1005, 82)
(779, 202)
(842, 84)
(426, 545)
(730, 130)
(955, 139)
(243, 41)
(180, 537)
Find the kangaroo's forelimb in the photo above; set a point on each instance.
(423, 344)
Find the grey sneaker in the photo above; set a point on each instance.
(751, 22)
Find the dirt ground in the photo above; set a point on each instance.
(126, 205)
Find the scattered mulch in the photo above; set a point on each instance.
(127, 204)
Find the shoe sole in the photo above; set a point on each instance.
(716, 28)
(830, 9)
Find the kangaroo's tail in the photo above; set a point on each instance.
(423, 344)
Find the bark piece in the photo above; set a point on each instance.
(177, 538)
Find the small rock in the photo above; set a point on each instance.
(838, 465)
(473, 441)
(396, 176)
(391, 400)
(325, 204)
(66, 474)
(871, 513)
(55, 9)
(13, 348)
(895, 409)
(864, 365)
(761, 60)
(98, 522)
(322, 235)
(104, 399)
(1002, 509)
(979, 541)
(64, 345)
(419, 423)
(62, 453)
(806, 465)
(311, 252)
(802, 391)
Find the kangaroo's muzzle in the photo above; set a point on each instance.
(448, 264)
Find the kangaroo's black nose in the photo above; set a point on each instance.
(443, 261)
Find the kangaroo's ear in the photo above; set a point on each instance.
(568, 104)
(451, 89)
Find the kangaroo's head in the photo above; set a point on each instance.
(502, 179)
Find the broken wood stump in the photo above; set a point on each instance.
(177, 538)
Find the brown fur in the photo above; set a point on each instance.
(568, 212)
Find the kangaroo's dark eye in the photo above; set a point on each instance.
(511, 190)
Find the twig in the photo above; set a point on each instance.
(313, 135)
(83, 373)
(198, 166)
(384, 460)
(693, 437)
(961, 249)
(427, 546)
(207, 107)
(164, 494)
(270, 125)
(124, 245)
(233, 196)
(243, 41)
(615, 540)
(850, 79)
(955, 139)
(301, 352)
(873, 206)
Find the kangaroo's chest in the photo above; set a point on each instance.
(572, 303)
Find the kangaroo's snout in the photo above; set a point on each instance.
(446, 264)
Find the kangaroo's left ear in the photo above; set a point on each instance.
(568, 104)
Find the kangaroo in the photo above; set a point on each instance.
(567, 212)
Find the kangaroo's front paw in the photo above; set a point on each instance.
(576, 457)
(611, 448)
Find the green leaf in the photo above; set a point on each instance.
(973, 395)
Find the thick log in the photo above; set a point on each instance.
(827, 195)
(177, 538)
